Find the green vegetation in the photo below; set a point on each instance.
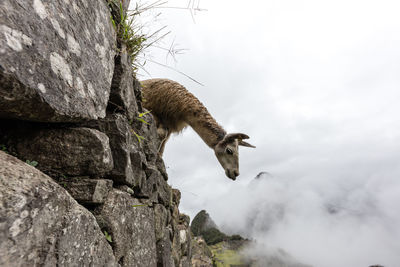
(130, 33)
(213, 236)
(3, 148)
(135, 41)
(139, 137)
(140, 117)
(108, 237)
(140, 205)
(32, 163)
(223, 257)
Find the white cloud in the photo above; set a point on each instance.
(316, 86)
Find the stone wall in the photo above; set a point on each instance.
(77, 187)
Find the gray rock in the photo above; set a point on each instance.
(129, 160)
(159, 164)
(125, 188)
(184, 219)
(87, 191)
(156, 188)
(164, 251)
(56, 59)
(42, 225)
(58, 78)
(161, 219)
(151, 143)
(181, 237)
(122, 97)
(139, 164)
(70, 151)
(185, 262)
(138, 94)
(131, 225)
(201, 254)
(174, 217)
(176, 196)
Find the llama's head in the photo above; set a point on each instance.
(228, 154)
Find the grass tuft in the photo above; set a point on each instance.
(130, 33)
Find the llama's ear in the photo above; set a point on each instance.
(229, 138)
(243, 143)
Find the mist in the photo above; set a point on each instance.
(315, 85)
(322, 224)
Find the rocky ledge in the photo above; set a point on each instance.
(77, 185)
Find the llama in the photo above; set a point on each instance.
(174, 108)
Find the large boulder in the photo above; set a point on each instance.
(164, 251)
(130, 224)
(56, 59)
(172, 235)
(68, 151)
(161, 221)
(87, 191)
(129, 160)
(163, 233)
(42, 225)
(122, 97)
(155, 187)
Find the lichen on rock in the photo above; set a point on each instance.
(77, 185)
(42, 225)
(49, 47)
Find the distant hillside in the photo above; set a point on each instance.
(203, 225)
(212, 247)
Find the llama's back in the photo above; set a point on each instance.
(170, 102)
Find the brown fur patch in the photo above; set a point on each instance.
(175, 107)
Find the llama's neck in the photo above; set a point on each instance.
(206, 127)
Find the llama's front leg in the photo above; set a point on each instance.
(163, 134)
(162, 145)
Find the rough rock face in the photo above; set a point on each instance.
(181, 242)
(131, 225)
(163, 236)
(128, 160)
(201, 254)
(57, 59)
(70, 151)
(42, 225)
(87, 191)
(122, 96)
(56, 67)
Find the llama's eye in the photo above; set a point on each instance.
(229, 151)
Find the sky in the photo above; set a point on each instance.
(316, 86)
